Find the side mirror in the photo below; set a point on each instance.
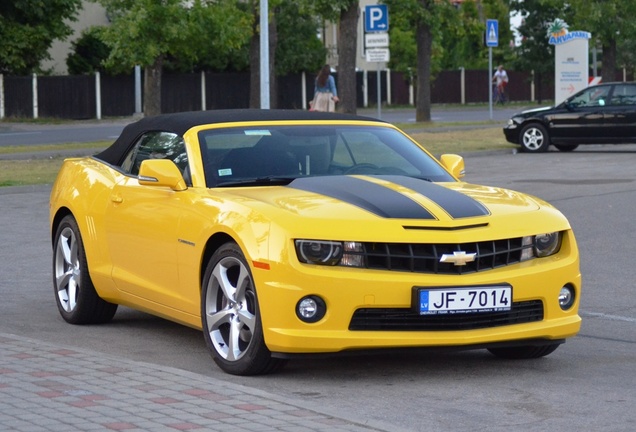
(453, 163)
(161, 172)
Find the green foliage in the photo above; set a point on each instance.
(208, 35)
(330, 9)
(458, 33)
(27, 30)
(535, 53)
(142, 31)
(89, 52)
(299, 48)
(216, 38)
(609, 21)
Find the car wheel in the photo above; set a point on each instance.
(524, 352)
(566, 148)
(76, 298)
(534, 138)
(230, 315)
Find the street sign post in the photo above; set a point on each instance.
(376, 22)
(492, 40)
(492, 33)
(376, 40)
(376, 18)
(377, 55)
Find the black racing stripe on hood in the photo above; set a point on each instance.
(456, 204)
(375, 198)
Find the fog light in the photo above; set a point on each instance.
(566, 297)
(311, 309)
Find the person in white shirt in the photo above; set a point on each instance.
(500, 78)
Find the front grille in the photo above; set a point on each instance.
(386, 319)
(425, 258)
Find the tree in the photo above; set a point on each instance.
(452, 40)
(421, 17)
(593, 16)
(28, 29)
(148, 32)
(346, 13)
(535, 53)
(299, 48)
(89, 52)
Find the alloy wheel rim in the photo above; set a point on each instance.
(533, 139)
(67, 270)
(230, 309)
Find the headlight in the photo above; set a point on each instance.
(350, 254)
(515, 121)
(547, 244)
(319, 252)
(541, 245)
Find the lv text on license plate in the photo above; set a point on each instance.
(464, 299)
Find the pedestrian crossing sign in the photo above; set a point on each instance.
(492, 33)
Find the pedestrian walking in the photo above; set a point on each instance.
(325, 92)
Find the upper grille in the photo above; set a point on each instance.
(384, 319)
(425, 258)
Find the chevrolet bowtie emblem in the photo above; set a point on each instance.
(459, 258)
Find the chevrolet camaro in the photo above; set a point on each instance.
(286, 233)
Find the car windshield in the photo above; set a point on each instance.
(278, 154)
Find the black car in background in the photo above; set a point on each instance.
(601, 114)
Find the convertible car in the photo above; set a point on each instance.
(286, 233)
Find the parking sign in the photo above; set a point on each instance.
(376, 18)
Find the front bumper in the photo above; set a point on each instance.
(511, 132)
(346, 290)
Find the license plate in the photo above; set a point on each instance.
(464, 300)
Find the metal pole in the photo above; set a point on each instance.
(34, 85)
(98, 96)
(1, 96)
(203, 100)
(303, 89)
(490, 80)
(379, 93)
(264, 54)
(388, 86)
(137, 89)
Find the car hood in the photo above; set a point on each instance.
(391, 197)
(533, 111)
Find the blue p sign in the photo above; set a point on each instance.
(376, 18)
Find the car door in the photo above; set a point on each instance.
(581, 118)
(142, 224)
(620, 117)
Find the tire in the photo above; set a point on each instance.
(75, 295)
(524, 352)
(566, 148)
(230, 315)
(534, 138)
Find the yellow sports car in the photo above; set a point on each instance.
(283, 233)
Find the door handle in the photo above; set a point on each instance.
(117, 198)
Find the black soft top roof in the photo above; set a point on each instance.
(180, 123)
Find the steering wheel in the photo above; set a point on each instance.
(363, 168)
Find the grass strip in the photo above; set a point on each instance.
(53, 147)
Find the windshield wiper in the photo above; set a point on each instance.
(259, 181)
